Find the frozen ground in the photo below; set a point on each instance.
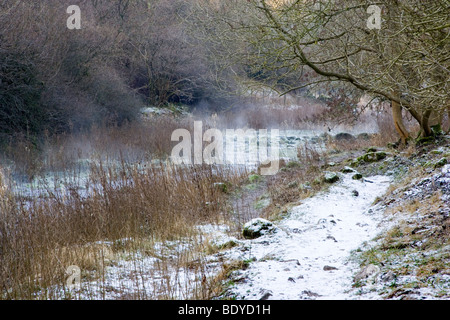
(308, 256)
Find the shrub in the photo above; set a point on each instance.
(20, 92)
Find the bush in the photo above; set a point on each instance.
(20, 92)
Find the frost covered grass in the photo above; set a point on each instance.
(306, 255)
(143, 229)
(413, 253)
(121, 209)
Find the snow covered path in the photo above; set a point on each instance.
(308, 257)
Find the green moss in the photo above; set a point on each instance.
(330, 177)
(357, 176)
(425, 140)
(374, 156)
(442, 162)
(254, 178)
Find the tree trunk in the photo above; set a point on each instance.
(425, 124)
(448, 115)
(398, 121)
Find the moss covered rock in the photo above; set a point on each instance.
(257, 227)
(374, 156)
(330, 177)
(348, 170)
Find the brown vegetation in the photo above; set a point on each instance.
(43, 235)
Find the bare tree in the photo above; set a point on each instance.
(405, 61)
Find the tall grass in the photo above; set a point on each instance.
(99, 196)
(108, 204)
(41, 236)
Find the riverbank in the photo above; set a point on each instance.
(382, 236)
(145, 230)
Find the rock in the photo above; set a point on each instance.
(372, 149)
(329, 268)
(290, 279)
(266, 295)
(357, 176)
(330, 177)
(332, 238)
(344, 136)
(257, 228)
(366, 272)
(374, 156)
(355, 193)
(348, 170)
(388, 276)
(310, 293)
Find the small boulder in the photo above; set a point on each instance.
(257, 227)
(266, 294)
(368, 271)
(329, 268)
(330, 177)
(310, 293)
(388, 276)
(347, 169)
(374, 156)
(357, 176)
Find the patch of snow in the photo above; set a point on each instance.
(311, 259)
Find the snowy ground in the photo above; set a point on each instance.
(308, 256)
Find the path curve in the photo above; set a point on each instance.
(308, 258)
